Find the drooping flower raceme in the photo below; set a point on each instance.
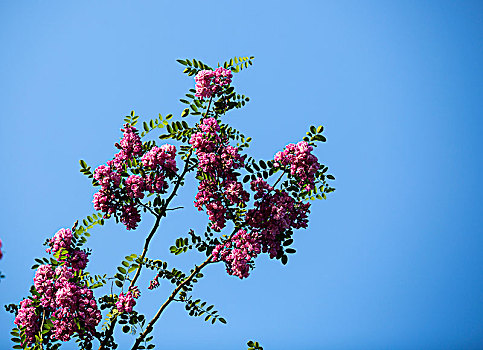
(28, 318)
(217, 161)
(126, 301)
(120, 193)
(273, 214)
(62, 239)
(63, 296)
(238, 253)
(75, 258)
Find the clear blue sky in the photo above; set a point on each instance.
(392, 260)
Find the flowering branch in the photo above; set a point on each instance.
(150, 326)
(264, 217)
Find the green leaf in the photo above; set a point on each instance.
(284, 259)
(83, 163)
(320, 138)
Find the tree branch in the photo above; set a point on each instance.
(149, 328)
(146, 243)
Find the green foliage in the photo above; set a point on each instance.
(129, 265)
(80, 232)
(131, 119)
(86, 170)
(237, 64)
(315, 135)
(181, 246)
(193, 66)
(177, 130)
(197, 308)
(254, 345)
(156, 123)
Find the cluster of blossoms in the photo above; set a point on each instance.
(238, 253)
(209, 83)
(75, 258)
(217, 161)
(27, 317)
(126, 302)
(1, 254)
(301, 163)
(274, 214)
(118, 194)
(62, 295)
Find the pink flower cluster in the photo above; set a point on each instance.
(217, 160)
(1, 254)
(274, 213)
(238, 253)
(130, 145)
(118, 194)
(300, 161)
(27, 317)
(209, 83)
(126, 301)
(62, 239)
(74, 304)
(75, 258)
(63, 296)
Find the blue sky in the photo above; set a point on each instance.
(391, 260)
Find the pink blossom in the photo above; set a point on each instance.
(62, 239)
(68, 301)
(78, 260)
(130, 145)
(28, 318)
(107, 176)
(209, 83)
(105, 201)
(203, 86)
(274, 213)
(218, 160)
(300, 161)
(238, 253)
(43, 282)
(162, 157)
(126, 301)
(135, 186)
(130, 216)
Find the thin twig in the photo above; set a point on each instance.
(174, 208)
(150, 325)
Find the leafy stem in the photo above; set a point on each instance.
(172, 297)
(147, 241)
